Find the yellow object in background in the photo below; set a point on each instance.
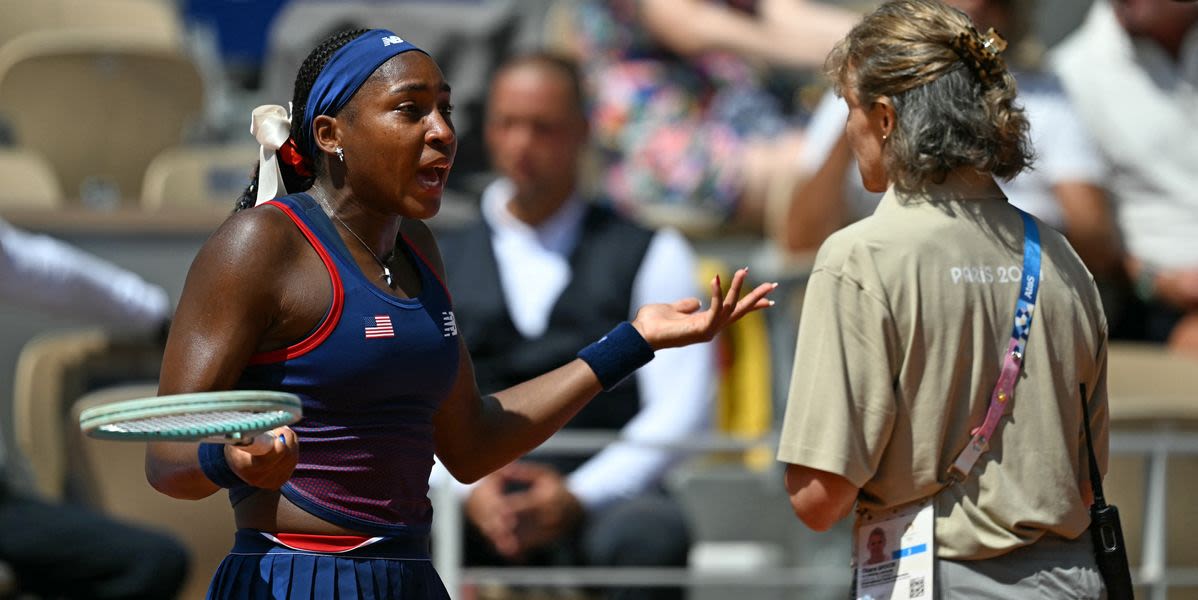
(744, 401)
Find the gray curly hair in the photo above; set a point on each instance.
(947, 117)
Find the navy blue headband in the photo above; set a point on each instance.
(345, 72)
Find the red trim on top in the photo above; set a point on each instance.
(331, 319)
(420, 255)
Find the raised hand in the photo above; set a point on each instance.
(680, 323)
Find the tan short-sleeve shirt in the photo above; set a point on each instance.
(905, 321)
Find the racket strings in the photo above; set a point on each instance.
(202, 424)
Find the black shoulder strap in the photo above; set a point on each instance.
(1095, 475)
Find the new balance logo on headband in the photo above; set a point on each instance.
(391, 40)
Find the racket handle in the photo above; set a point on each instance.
(259, 444)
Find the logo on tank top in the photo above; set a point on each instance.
(449, 323)
(378, 326)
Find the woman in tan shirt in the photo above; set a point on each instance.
(907, 319)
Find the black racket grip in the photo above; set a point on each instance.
(1110, 552)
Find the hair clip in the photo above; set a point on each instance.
(982, 54)
(993, 42)
(289, 153)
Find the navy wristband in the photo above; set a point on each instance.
(617, 355)
(216, 467)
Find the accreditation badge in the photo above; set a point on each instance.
(895, 553)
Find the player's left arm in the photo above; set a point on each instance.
(819, 498)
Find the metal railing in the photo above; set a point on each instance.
(1152, 575)
(1156, 446)
(447, 523)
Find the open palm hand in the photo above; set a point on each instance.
(681, 323)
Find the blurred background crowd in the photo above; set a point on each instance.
(124, 131)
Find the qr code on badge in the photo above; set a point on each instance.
(917, 588)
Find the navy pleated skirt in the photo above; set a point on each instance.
(396, 568)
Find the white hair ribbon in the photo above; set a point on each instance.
(270, 124)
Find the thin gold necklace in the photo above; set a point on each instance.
(386, 270)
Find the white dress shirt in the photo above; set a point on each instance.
(48, 275)
(1142, 108)
(676, 387)
(44, 274)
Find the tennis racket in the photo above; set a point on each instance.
(229, 417)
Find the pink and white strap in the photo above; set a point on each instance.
(1004, 389)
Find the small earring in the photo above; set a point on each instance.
(340, 153)
(884, 136)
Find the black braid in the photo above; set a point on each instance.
(304, 81)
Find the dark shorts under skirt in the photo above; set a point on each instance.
(396, 568)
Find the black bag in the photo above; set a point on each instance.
(1105, 529)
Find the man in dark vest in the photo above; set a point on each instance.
(544, 272)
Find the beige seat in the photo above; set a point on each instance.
(207, 178)
(146, 17)
(1154, 410)
(98, 105)
(116, 479)
(54, 372)
(54, 369)
(29, 181)
(46, 374)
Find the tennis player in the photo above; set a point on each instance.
(910, 318)
(335, 293)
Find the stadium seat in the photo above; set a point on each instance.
(61, 373)
(46, 374)
(743, 525)
(198, 178)
(98, 105)
(143, 17)
(115, 475)
(1152, 399)
(53, 369)
(29, 182)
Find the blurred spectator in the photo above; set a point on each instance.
(61, 550)
(1063, 189)
(544, 270)
(1131, 71)
(687, 131)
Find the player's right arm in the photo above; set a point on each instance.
(245, 293)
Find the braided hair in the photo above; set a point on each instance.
(304, 79)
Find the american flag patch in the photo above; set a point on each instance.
(379, 326)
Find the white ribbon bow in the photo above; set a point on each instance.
(270, 124)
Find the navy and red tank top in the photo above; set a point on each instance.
(370, 375)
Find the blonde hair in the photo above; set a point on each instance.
(949, 114)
